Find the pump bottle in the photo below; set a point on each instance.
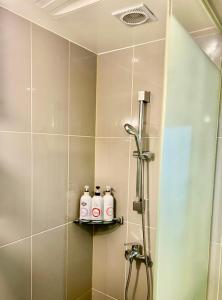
(97, 205)
(85, 205)
(108, 213)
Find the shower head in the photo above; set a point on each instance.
(131, 130)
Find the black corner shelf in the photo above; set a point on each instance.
(92, 222)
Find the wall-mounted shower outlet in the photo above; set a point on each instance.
(144, 96)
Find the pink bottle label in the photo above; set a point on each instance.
(96, 212)
(109, 211)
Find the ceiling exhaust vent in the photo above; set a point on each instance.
(135, 15)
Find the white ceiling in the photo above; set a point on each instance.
(93, 26)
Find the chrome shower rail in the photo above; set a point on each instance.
(139, 252)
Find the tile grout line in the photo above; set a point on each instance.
(125, 137)
(51, 229)
(36, 234)
(137, 224)
(31, 107)
(14, 132)
(104, 294)
(67, 200)
(82, 136)
(132, 46)
(78, 136)
(15, 242)
(47, 133)
(62, 225)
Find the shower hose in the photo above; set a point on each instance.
(148, 269)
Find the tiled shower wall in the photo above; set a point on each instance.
(47, 128)
(120, 75)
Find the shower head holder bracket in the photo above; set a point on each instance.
(146, 155)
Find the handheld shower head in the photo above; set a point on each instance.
(130, 129)
(133, 131)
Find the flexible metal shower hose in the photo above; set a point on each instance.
(149, 288)
(128, 280)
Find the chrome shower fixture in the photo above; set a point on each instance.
(137, 252)
(130, 129)
(143, 98)
(133, 131)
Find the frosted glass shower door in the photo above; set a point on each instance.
(187, 170)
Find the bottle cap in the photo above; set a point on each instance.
(97, 193)
(86, 188)
(108, 188)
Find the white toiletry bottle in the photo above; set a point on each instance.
(97, 205)
(85, 205)
(108, 202)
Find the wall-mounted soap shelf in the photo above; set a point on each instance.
(92, 222)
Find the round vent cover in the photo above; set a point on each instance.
(135, 15)
(134, 18)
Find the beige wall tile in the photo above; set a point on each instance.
(214, 272)
(108, 260)
(15, 79)
(49, 265)
(135, 235)
(112, 166)
(50, 81)
(15, 186)
(50, 181)
(82, 108)
(114, 84)
(150, 183)
(80, 245)
(149, 76)
(81, 171)
(138, 284)
(15, 277)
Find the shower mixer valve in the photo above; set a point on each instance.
(136, 253)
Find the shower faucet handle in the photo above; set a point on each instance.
(135, 246)
(134, 252)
